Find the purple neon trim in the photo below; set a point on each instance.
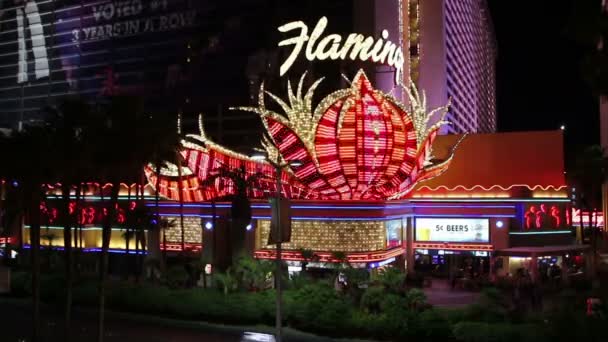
(90, 250)
(354, 207)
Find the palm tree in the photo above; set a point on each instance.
(228, 281)
(391, 278)
(308, 255)
(591, 172)
(69, 129)
(164, 150)
(143, 221)
(254, 273)
(28, 172)
(165, 224)
(117, 127)
(240, 206)
(180, 193)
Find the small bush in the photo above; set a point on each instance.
(176, 277)
(318, 308)
(372, 299)
(485, 332)
(21, 284)
(433, 326)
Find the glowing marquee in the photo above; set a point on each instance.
(333, 46)
(356, 144)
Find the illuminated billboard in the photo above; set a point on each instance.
(52, 49)
(187, 56)
(452, 230)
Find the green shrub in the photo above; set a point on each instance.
(52, 287)
(432, 326)
(372, 299)
(416, 299)
(84, 293)
(486, 332)
(492, 307)
(391, 278)
(176, 277)
(318, 308)
(21, 284)
(452, 315)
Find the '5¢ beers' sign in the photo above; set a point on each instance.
(452, 230)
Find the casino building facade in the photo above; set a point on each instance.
(373, 182)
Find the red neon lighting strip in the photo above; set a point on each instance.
(326, 256)
(452, 246)
(6, 240)
(177, 247)
(496, 186)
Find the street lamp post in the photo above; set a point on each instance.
(279, 286)
(279, 232)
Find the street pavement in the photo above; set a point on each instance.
(16, 323)
(441, 294)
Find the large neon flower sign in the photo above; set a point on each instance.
(357, 144)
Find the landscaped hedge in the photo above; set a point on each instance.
(319, 308)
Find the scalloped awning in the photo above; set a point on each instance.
(499, 162)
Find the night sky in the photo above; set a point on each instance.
(539, 81)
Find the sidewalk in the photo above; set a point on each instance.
(441, 294)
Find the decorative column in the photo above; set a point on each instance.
(409, 245)
(533, 268)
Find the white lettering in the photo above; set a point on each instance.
(356, 46)
(297, 41)
(172, 21)
(119, 9)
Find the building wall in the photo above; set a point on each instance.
(432, 50)
(458, 57)
(370, 18)
(470, 65)
(329, 236)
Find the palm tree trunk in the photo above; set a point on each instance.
(34, 218)
(593, 238)
(127, 236)
(181, 201)
(103, 264)
(163, 261)
(2, 225)
(67, 246)
(77, 223)
(138, 236)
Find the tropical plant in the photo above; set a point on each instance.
(254, 274)
(416, 299)
(27, 170)
(141, 220)
(124, 120)
(227, 281)
(587, 26)
(340, 257)
(69, 129)
(391, 278)
(164, 152)
(372, 298)
(165, 224)
(590, 173)
(308, 255)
